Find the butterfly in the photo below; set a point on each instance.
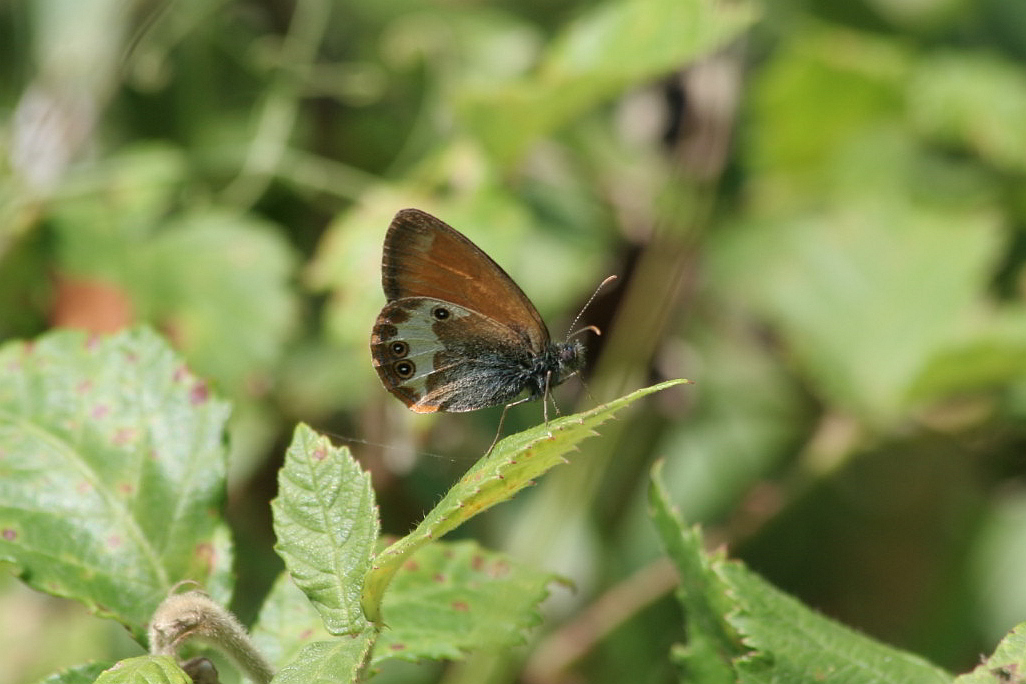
(457, 334)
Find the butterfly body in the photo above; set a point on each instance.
(457, 334)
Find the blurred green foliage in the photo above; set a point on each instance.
(816, 210)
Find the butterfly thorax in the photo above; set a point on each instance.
(554, 365)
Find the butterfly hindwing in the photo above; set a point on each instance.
(435, 355)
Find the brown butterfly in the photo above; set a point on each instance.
(457, 334)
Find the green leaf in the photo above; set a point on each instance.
(1007, 665)
(145, 670)
(711, 647)
(328, 662)
(112, 470)
(81, 674)
(326, 523)
(974, 100)
(452, 598)
(232, 310)
(287, 622)
(513, 464)
(617, 45)
(792, 643)
(736, 617)
(836, 283)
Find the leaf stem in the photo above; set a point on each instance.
(194, 615)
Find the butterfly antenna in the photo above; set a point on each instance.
(584, 308)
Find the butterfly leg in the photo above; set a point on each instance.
(502, 419)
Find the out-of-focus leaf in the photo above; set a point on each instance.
(975, 101)
(845, 81)
(145, 670)
(511, 465)
(83, 674)
(994, 354)
(109, 208)
(618, 44)
(220, 284)
(451, 598)
(326, 523)
(866, 294)
(998, 557)
(112, 473)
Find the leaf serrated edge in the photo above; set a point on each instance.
(386, 563)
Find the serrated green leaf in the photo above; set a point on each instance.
(766, 636)
(112, 467)
(335, 661)
(145, 670)
(326, 523)
(513, 464)
(711, 647)
(1006, 666)
(81, 674)
(618, 44)
(287, 622)
(792, 643)
(449, 599)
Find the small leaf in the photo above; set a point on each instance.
(335, 661)
(81, 674)
(287, 622)
(145, 670)
(1006, 666)
(513, 464)
(326, 523)
(112, 467)
(452, 598)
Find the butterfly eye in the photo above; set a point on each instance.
(400, 349)
(404, 369)
(440, 313)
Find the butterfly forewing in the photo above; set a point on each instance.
(425, 257)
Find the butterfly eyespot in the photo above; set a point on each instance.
(404, 369)
(399, 349)
(440, 313)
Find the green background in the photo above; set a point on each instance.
(816, 211)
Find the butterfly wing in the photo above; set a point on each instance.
(459, 360)
(425, 257)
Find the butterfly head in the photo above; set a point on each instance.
(570, 360)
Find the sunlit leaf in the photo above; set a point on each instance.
(112, 467)
(145, 670)
(326, 522)
(450, 598)
(513, 464)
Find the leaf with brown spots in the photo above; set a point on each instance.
(458, 597)
(111, 475)
(326, 523)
